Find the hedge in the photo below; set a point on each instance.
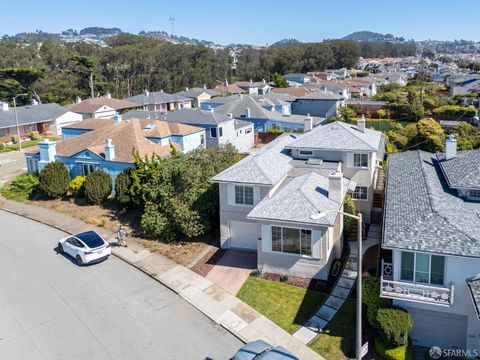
(455, 110)
(394, 324)
(23, 187)
(54, 180)
(403, 352)
(371, 298)
(98, 186)
(122, 186)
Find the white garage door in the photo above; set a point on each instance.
(243, 235)
(434, 328)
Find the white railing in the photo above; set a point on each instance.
(437, 295)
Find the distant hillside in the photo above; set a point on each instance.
(372, 37)
(286, 42)
(99, 31)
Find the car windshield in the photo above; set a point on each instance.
(91, 239)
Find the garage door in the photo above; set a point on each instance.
(243, 235)
(434, 328)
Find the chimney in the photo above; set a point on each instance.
(251, 81)
(308, 124)
(361, 123)
(34, 102)
(78, 100)
(186, 88)
(230, 115)
(4, 106)
(204, 86)
(47, 153)
(146, 92)
(109, 150)
(247, 112)
(264, 81)
(450, 147)
(335, 186)
(117, 119)
(108, 95)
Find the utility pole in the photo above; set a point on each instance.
(172, 25)
(16, 120)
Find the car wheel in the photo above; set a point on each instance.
(79, 261)
(60, 248)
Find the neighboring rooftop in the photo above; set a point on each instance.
(157, 97)
(299, 199)
(31, 114)
(422, 213)
(339, 136)
(91, 105)
(197, 91)
(462, 171)
(322, 95)
(189, 116)
(265, 166)
(295, 91)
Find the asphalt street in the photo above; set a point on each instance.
(52, 309)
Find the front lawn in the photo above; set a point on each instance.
(287, 306)
(26, 144)
(338, 338)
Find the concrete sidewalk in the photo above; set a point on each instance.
(212, 300)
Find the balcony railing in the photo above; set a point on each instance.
(402, 290)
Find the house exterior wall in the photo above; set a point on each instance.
(457, 270)
(69, 133)
(68, 118)
(245, 139)
(191, 141)
(322, 108)
(105, 112)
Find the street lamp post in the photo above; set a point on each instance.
(359, 274)
(16, 120)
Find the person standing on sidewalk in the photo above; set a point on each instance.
(122, 236)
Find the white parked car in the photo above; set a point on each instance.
(86, 248)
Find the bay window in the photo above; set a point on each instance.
(292, 240)
(422, 268)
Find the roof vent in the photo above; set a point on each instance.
(149, 127)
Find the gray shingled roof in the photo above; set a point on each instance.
(241, 124)
(339, 136)
(185, 116)
(300, 198)
(266, 166)
(322, 95)
(474, 288)
(221, 100)
(422, 213)
(157, 97)
(463, 171)
(195, 92)
(31, 114)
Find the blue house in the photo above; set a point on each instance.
(109, 145)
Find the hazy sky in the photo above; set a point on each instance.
(253, 21)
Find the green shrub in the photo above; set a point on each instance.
(2, 145)
(15, 139)
(23, 187)
(394, 324)
(349, 208)
(403, 352)
(371, 298)
(54, 180)
(77, 186)
(455, 110)
(98, 186)
(34, 135)
(256, 273)
(284, 278)
(123, 181)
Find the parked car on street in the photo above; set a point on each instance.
(86, 248)
(260, 350)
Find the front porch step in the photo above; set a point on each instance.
(346, 282)
(316, 324)
(326, 312)
(335, 302)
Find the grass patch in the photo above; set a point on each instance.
(287, 306)
(338, 339)
(26, 144)
(22, 188)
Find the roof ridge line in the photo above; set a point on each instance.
(354, 134)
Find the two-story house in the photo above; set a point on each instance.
(268, 199)
(321, 103)
(431, 245)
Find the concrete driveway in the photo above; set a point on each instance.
(233, 269)
(53, 309)
(12, 164)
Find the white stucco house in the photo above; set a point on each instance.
(431, 243)
(268, 198)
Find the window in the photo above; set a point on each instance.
(32, 165)
(213, 132)
(248, 131)
(292, 240)
(360, 193)
(243, 195)
(202, 139)
(306, 152)
(360, 160)
(86, 168)
(220, 132)
(474, 194)
(422, 268)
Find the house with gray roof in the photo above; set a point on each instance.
(161, 101)
(36, 117)
(219, 128)
(431, 245)
(198, 94)
(321, 103)
(268, 199)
